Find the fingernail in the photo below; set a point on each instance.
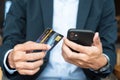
(48, 46)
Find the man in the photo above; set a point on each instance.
(26, 21)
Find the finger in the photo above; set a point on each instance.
(65, 48)
(28, 72)
(34, 56)
(22, 56)
(76, 47)
(66, 51)
(96, 40)
(81, 64)
(28, 46)
(97, 43)
(77, 59)
(28, 65)
(18, 56)
(68, 54)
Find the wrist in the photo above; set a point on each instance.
(104, 60)
(10, 71)
(9, 61)
(104, 66)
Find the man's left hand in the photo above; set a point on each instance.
(87, 57)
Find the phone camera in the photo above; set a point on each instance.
(73, 36)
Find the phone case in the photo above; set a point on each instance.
(83, 37)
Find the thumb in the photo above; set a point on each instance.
(96, 40)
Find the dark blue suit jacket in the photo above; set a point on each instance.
(27, 19)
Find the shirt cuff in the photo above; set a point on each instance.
(108, 59)
(5, 65)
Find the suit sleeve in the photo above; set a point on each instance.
(107, 29)
(13, 31)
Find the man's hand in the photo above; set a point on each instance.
(24, 60)
(88, 57)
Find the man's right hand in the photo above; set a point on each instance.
(24, 60)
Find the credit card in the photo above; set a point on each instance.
(50, 37)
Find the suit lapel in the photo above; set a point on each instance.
(83, 11)
(47, 9)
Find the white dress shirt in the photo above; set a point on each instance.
(64, 18)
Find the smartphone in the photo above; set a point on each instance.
(82, 37)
